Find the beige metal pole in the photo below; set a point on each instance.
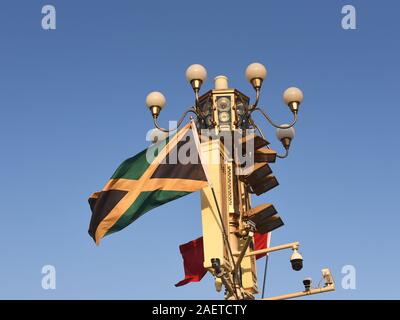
(328, 288)
(292, 245)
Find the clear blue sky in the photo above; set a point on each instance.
(72, 108)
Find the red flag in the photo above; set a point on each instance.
(260, 242)
(193, 257)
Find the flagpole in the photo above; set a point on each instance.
(266, 265)
(265, 275)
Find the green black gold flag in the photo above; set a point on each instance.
(139, 185)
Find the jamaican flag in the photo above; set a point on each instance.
(164, 172)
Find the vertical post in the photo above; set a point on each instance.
(214, 247)
(231, 196)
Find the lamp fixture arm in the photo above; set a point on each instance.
(197, 108)
(272, 122)
(191, 109)
(283, 155)
(262, 135)
(257, 127)
(254, 105)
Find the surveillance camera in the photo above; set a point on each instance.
(296, 260)
(307, 284)
(326, 273)
(216, 264)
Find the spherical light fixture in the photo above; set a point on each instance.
(255, 74)
(196, 74)
(155, 101)
(293, 97)
(285, 132)
(285, 135)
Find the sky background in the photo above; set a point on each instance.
(72, 109)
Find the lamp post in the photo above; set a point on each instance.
(228, 237)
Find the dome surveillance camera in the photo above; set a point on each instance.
(296, 260)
